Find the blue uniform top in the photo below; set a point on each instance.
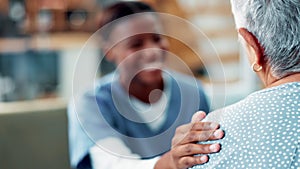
(107, 111)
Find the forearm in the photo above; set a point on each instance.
(165, 162)
(112, 153)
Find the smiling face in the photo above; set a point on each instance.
(137, 48)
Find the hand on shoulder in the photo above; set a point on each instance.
(185, 147)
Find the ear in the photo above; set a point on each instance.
(252, 41)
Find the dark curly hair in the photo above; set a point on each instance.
(118, 10)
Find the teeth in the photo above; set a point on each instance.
(154, 65)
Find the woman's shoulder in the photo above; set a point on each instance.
(264, 124)
(272, 103)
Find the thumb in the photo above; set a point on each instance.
(198, 116)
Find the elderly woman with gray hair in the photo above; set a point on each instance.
(263, 130)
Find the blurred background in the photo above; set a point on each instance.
(40, 41)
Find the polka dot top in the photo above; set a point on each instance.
(261, 131)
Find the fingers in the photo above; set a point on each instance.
(187, 162)
(197, 126)
(201, 131)
(186, 154)
(198, 116)
(218, 134)
(192, 149)
(204, 126)
(198, 136)
(185, 150)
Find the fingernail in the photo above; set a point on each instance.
(214, 147)
(218, 133)
(203, 158)
(201, 115)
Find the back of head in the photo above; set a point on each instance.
(119, 10)
(276, 25)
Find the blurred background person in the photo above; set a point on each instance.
(39, 45)
(132, 112)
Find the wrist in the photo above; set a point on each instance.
(165, 162)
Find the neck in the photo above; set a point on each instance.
(142, 91)
(287, 79)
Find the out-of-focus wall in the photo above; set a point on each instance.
(39, 45)
(228, 75)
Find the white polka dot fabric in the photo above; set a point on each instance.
(261, 131)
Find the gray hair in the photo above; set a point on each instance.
(276, 25)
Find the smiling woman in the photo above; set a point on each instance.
(132, 112)
(139, 57)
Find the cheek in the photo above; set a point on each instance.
(122, 55)
(128, 63)
(165, 44)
